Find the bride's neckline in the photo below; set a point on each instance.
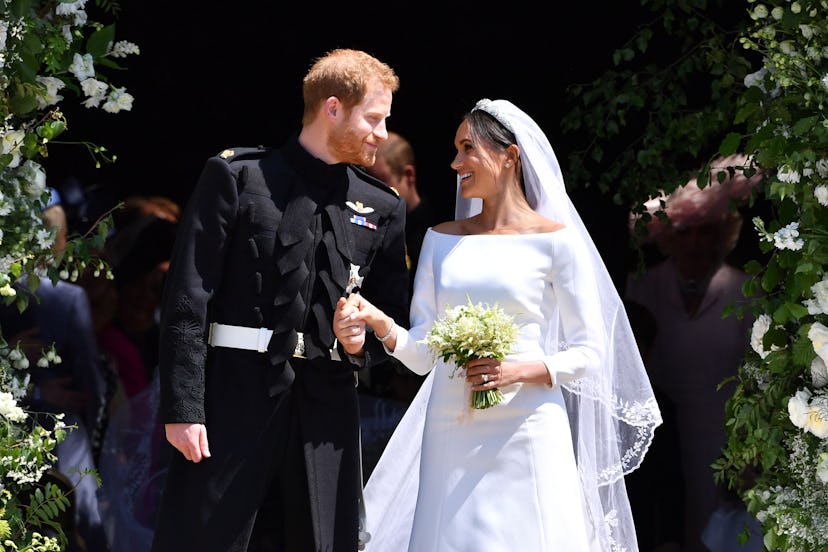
(517, 234)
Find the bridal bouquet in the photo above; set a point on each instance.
(470, 331)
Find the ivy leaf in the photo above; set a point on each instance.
(100, 41)
(805, 125)
(33, 282)
(771, 276)
(730, 145)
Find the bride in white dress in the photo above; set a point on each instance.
(543, 470)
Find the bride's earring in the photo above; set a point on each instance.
(508, 164)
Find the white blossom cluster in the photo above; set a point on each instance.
(819, 303)
(787, 237)
(96, 91)
(23, 469)
(809, 412)
(23, 195)
(466, 332)
(800, 510)
(757, 373)
(808, 408)
(29, 118)
(809, 54)
(70, 15)
(761, 325)
(9, 408)
(122, 49)
(821, 194)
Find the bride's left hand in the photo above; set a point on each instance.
(488, 373)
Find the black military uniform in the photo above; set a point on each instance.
(271, 239)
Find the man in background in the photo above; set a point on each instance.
(396, 167)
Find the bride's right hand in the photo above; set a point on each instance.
(382, 325)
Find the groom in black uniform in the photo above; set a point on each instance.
(256, 394)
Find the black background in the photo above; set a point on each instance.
(211, 76)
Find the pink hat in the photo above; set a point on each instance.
(689, 205)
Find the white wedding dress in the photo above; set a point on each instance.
(504, 478)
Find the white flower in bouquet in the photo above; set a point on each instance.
(471, 331)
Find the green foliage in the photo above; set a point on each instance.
(46, 48)
(758, 85)
(644, 124)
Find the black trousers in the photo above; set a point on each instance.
(283, 522)
(253, 493)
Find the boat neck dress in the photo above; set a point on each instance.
(503, 478)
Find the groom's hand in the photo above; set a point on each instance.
(348, 329)
(189, 439)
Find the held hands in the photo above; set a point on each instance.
(189, 439)
(348, 329)
(350, 318)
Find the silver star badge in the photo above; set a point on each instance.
(354, 279)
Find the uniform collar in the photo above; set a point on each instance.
(311, 168)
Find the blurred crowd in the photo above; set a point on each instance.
(106, 333)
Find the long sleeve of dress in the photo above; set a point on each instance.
(581, 335)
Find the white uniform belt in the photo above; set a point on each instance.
(251, 339)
